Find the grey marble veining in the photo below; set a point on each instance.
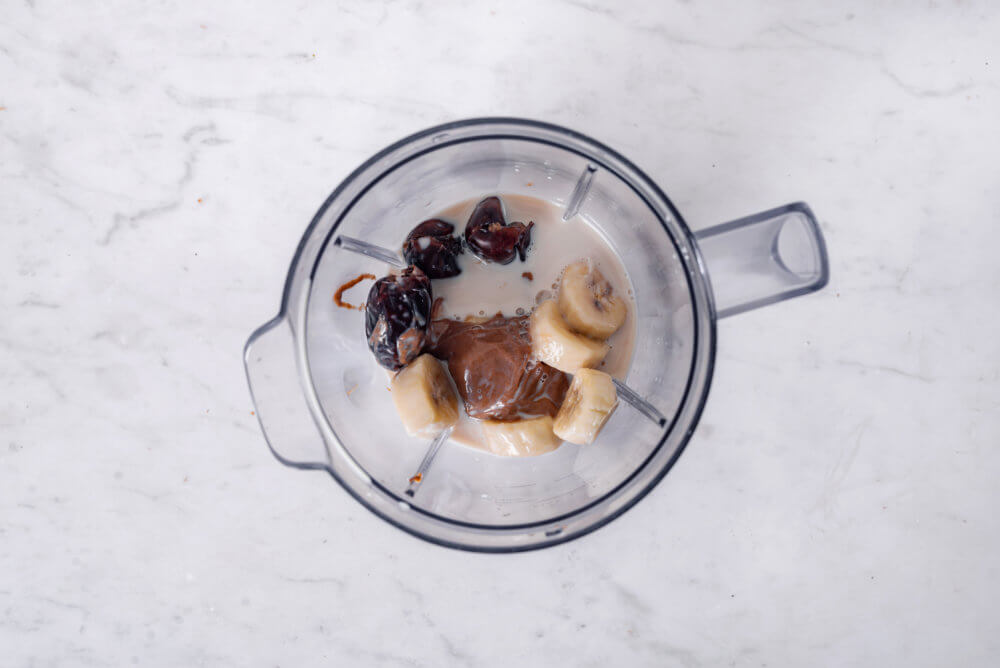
(837, 505)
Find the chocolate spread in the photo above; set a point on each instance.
(494, 370)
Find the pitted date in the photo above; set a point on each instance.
(491, 238)
(431, 247)
(397, 315)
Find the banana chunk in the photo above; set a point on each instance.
(589, 402)
(588, 303)
(521, 438)
(553, 343)
(424, 397)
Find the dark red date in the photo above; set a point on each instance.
(491, 238)
(397, 314)
(431, 246)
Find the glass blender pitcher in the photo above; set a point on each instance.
(321, 399)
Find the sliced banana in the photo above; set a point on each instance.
(522, 438)
(553, 343)
(424, 397)
(589, 402)
(588, 303)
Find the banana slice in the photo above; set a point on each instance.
(589, 402)
(553, 343)
(522, 438)
(588, 303)
(424, 397)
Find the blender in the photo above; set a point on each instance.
(321, 399)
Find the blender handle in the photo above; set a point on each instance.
(271, 366)
(764, 259)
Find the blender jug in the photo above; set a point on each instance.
(321, 399)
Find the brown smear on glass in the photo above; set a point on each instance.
(338, 295)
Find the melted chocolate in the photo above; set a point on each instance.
(494, 370)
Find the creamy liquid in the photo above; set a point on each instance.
(483, 289)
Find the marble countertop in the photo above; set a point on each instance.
(158, 163)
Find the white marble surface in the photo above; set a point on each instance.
(158, 162)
